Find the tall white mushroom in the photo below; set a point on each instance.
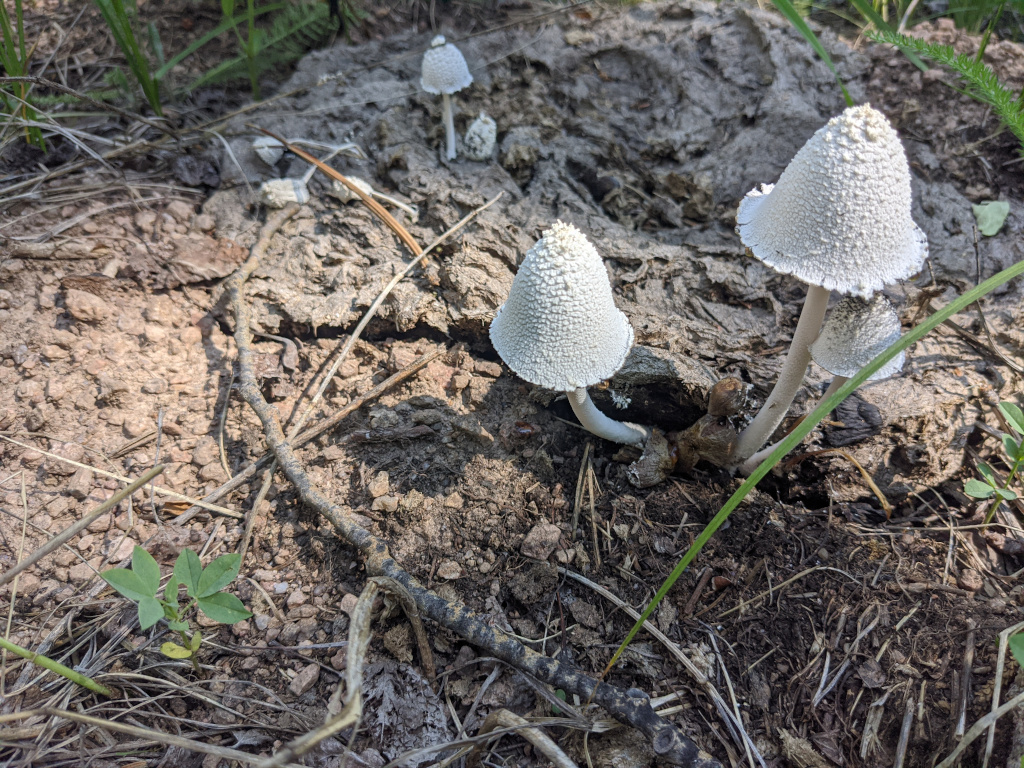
(839, 220)
(854, 334)
(445, 72)
(560, 328)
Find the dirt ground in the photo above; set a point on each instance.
(825, 625)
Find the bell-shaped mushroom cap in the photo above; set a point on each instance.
(839, 216)
(444, 68)
(559, 327)
(854, 333)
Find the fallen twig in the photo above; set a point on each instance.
(631, 707)
(315, 431)
(505, 719)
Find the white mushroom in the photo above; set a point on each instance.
(560, 328)
(854, 334)
(481, 135)
(838, 219)
(268, 149)
(346, 195)
(277, 193)
(445, 72)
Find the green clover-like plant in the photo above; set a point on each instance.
(1013, 446)
(203, 586)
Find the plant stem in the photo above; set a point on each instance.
(55, 666)
(999, 499)
(791, 377)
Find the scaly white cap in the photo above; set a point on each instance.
(478, 143)
(444, 68)
(559, 327)
(277, 193)
(839, 216)
(854, 333)
(269, 150)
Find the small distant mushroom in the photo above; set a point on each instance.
(270, 150)
(346, 195)
(277, 193)
(854, 334)
(839, 220)
(560, 328)
(445, 72)
(481, 135)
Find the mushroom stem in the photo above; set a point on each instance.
(449, 124)
(790, 377)
(752, 463)
(603, 426)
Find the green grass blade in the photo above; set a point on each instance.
(220, 29)
(804, 428)
(981, 82)
(786, 9)
(117, 20)
(869, 13)
(55, 666)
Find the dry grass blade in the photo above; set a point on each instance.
(1004, 641)
(737, 729)
(502, 718)
(156, 488)
(630, 707)
(369, 314)
(81, 525)
(359, 634)
(979, 728)
(413, 614)
(886, 506)
(369, 202)
(315, 431)
(147, 735)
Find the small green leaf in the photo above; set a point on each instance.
(1006, 494)
(171, 590)
(560, 694)
(187, 570)
(991, 216)
(223, 607)
(1011, 447)
(219, 574)
(178, 626)
(978, 490)
(1014, 415)
(1017, 647)
(986, 472)
(146, 568)
(197, 638)
(174, 651)
(126, 582)
(150, 612)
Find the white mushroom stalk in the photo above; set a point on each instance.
(445, 72)
(854, 334)
(560, 328)
(839, 220)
